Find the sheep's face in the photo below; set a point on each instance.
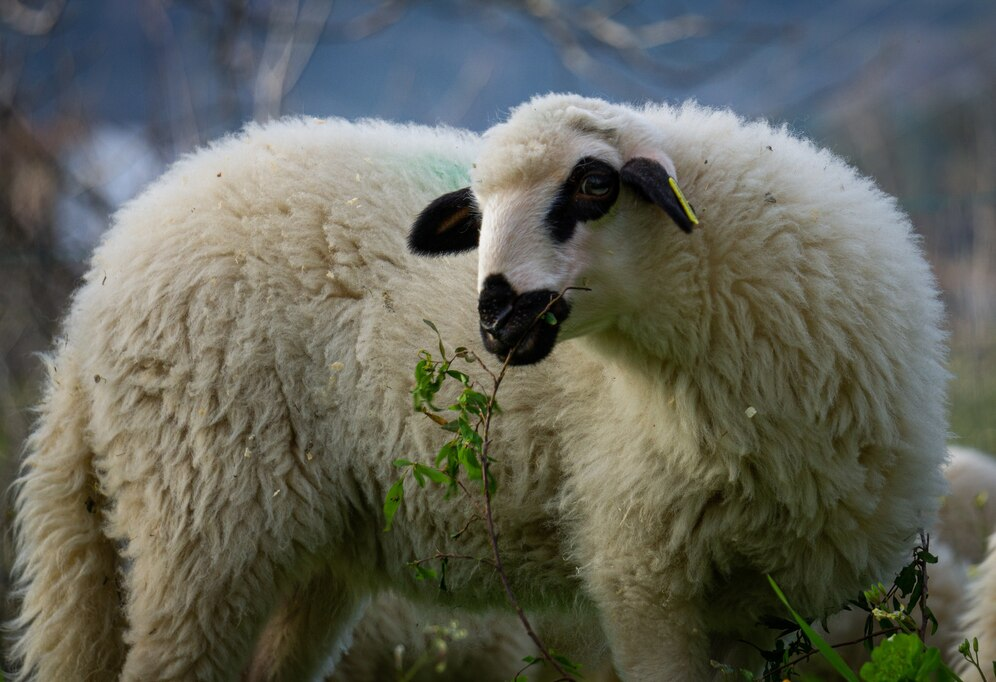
(553, 190)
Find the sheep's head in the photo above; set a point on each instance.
(556, 189)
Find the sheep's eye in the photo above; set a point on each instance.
(596, 185)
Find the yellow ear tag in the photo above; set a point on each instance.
(681, 200)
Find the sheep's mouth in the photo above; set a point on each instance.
(526, 327)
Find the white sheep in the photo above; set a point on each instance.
(761, 396)
(975, 523)
(979, 623)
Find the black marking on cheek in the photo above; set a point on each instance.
(570, 207)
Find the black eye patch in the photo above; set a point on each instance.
(588, 194)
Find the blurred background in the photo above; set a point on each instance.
(97, 97)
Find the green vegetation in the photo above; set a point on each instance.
(973, 394)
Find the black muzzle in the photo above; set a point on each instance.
(518, 323)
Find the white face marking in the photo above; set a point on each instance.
(515, 241)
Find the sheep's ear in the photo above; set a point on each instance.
(449, 224)
(651, 180)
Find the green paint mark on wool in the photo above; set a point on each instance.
(451, 172)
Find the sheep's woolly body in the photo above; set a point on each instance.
(232, 387)
(980, 620)
(967, 517)
(973, 524)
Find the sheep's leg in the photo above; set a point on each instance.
(309, 628)
(192, 614)
(654, 641)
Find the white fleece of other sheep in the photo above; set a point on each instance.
(232, 385)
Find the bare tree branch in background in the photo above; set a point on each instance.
(291, 40)
(580, 31)
(29, 20)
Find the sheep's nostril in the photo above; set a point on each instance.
(496, 304)
(492, 325)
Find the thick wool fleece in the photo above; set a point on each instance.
(232, 386)
(972, 520)
(967, 517)
(769, 390)
(980, 620)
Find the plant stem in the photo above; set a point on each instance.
(810, 654)
(922, 565)
(489, 516)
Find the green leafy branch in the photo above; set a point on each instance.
(901, 656)
(467, 451)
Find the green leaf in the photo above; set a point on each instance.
(473, 402)
(468, 433)
(442, 351)
(832, 657)
(568, 665)
(550, 319)
(897, 659)
(907, 578)
(459, 376)
(402, 463)
(467, 456)
(392, 502)
(929, 663)
(423, 573)
(447, 453)
(434, 475)
(419, 478)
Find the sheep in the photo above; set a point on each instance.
(979, 621)
(968, 513)
(975, 524)
(761, 395)
(223, 406)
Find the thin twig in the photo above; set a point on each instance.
(809, 654)
(444, 555)
(489, 516)
(921, 562)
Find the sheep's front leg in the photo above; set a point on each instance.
(309, 628)
(191, 616)
(653, 637)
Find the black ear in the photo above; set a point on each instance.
(652, 182)
(449, 224)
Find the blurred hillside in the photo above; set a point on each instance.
(98, 96)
